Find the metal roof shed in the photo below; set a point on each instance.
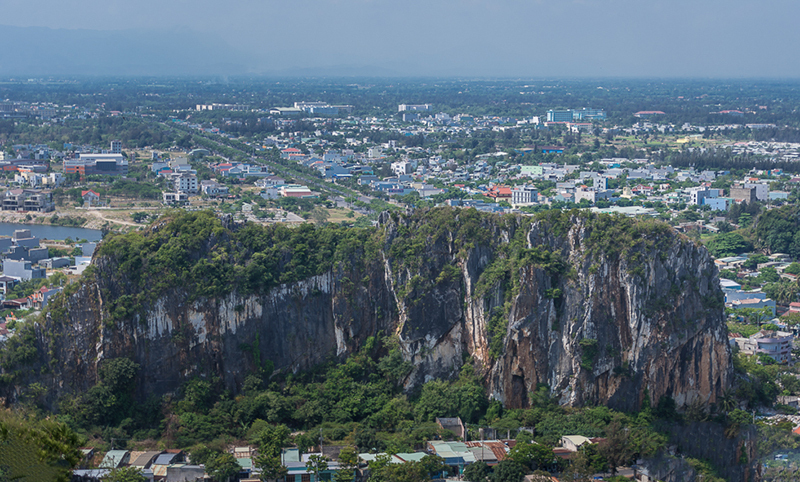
(145, 459)
(114, 459)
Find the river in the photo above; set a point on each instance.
(45, 231)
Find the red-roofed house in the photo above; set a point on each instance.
(89, 197)
(499, 193)
(289, 151)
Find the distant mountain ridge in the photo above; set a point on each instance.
(40, 51)
(45, 51)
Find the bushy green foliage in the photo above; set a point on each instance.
(125, 474)
(728, 244)
(778, 230)
(222, 467)
(193, 250)
(33, 449)
(589, 352)
(110, 401)
(466, 398)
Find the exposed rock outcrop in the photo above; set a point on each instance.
(601, 310)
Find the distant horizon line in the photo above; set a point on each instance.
(33, 78)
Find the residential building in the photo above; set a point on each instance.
(743, 193)
(185, 183)
(524, 195)
(698, 194)
(53, 180)
(28, 200)
(213, 188)
(34, 254)
(116, 147)
(40, 297)
(175, 198)
(776, 344)
(454, 425)
(591, 194)
(753, 303)
(403, 167)
(499, 193)
(719, 203)
(54, 263)
(531, 171)
(22, 269)
(90, 197)
(574, 442)
(761, 190)
(7, 283)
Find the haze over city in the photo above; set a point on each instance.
(477, 38)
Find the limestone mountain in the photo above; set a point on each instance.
(601, 309)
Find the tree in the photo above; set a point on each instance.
(271, 440)
(727, 402)
(532, 455)
(791, 318)
(793, 268)
(728, 244)
(271, 466)
(579, 469)
(617, 447)
(348, 461)
(320, 215)
(754, 260)
(200, 454)
(433, 465)
(783, 291)
(508, 471)
(125, 474)
(33, 449)
(222, 467)
(316, 465)
(477, 472)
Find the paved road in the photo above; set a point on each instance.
(279, 169)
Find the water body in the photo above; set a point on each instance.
(45, 231)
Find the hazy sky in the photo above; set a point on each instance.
(497, 38)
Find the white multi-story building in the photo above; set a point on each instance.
(776, 344)
(185, 183)
(524, 195)
(401, 168)
(591, 194)
(697, 194)
(415, 107)
(116, 147)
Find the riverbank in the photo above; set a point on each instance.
(87, 218)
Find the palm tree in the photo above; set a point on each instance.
(727, 402)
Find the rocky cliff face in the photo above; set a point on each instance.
(601, 310)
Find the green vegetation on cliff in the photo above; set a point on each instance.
(195, 252)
